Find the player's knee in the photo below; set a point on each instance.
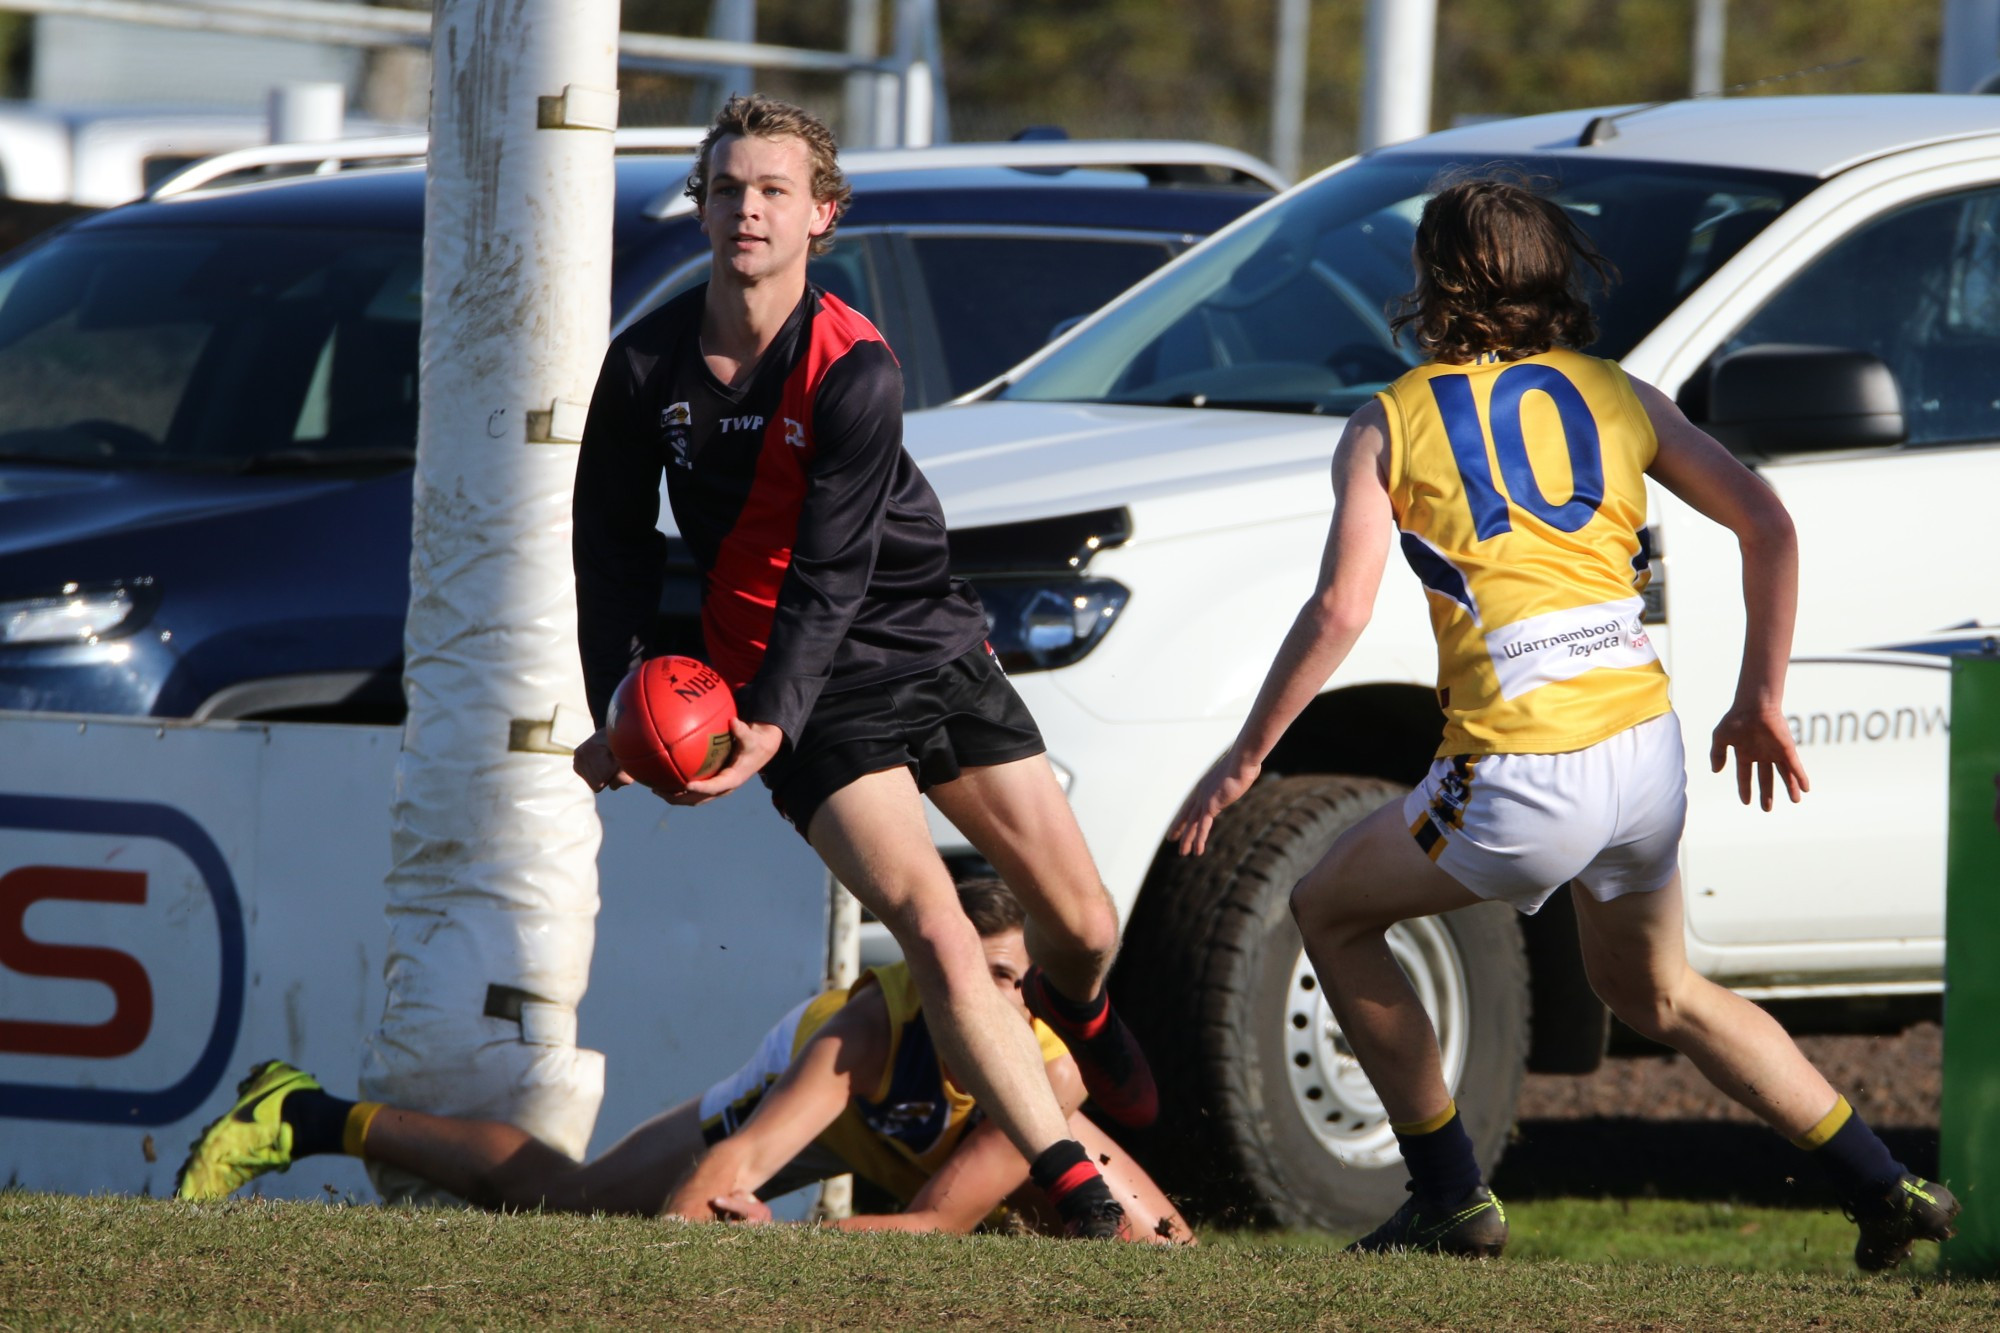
(1642, 1004)
(1322, 911)
(1095, 932)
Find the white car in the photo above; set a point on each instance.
(103, 157)
(1143, 504)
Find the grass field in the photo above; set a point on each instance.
(1651, 1265)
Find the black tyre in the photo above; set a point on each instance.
(1265, 1116)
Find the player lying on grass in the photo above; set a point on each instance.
(862, 677)
(849, 1081)
(1512, 471)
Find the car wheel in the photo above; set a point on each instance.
(1266, 1117)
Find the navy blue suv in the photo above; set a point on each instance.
(211, 399)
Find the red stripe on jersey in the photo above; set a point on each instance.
(742, 595)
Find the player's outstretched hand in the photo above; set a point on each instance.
(597, 766)
(741, 1208)
(756, 744)
(1763, 742)
(1220, 787)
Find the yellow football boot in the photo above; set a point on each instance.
(248, 1141)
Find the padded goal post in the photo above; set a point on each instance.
(493, 882)
(1970, 1151)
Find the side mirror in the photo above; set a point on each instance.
(1791, 398)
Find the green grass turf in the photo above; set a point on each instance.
(106, 1262)
(1663, 1233)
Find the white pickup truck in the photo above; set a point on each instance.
(1142, 506)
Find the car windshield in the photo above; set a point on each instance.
(240, 349)
(1289, 311)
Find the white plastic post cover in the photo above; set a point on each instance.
(493, 880)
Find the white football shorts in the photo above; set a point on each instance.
(1516, 827)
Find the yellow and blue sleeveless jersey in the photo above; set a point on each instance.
(1519, 490)
(899, 1133)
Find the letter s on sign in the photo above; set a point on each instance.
(130, 1023)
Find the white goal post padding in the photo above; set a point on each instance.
(493, 880)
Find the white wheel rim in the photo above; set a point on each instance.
(1333, 1097)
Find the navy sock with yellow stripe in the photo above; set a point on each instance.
(324, 1123)
(1438, 1152)
(1856, 1161)
(318, 1120)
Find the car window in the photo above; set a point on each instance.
(845, 271)
(1289, 310)
(1919, 288)
(223, 348)
(996, 299)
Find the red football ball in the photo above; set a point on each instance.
(669, 722)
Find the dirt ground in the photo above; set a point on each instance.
(1892, 1081)
(1650, 1126)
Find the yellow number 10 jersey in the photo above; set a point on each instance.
(1519, 487)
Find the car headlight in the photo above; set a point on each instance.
(76, 615)
(1042, 624)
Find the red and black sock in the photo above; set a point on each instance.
(1072, 1181)
(1081, 1018)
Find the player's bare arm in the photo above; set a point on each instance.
(1350, 574)
(1695, 467)
(846, 1054)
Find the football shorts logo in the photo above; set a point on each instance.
(677, 414)
(795, 434)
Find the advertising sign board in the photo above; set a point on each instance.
(178, 902)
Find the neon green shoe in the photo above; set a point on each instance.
(1914, 1209)
(1475, 1228)
(248, 1141)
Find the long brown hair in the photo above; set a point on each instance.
(759, 117)
(1500, 269)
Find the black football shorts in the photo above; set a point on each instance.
(936, 723)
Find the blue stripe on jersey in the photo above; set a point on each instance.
(916, 1111)
(1437, 573)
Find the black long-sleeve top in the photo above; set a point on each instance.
(820, 545)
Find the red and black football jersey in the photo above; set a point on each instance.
(820, 545)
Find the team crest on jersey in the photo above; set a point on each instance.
(902, 1120)
(795, 434)
(676, 419)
